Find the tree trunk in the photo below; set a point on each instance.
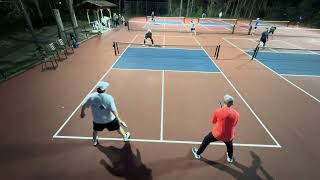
(253, 5)
(170, 7)
(245, 15)
(242, 8)
(191, 9)
(233, 8)
(188, 6)
(227, 7)
(137, 8)
(180, 7)
(29, 23)
(36, 3)
(236, 12)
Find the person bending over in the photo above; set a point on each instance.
(271, 31)
(148, 35)
(264, 37)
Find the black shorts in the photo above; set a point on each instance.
(146, 37)
(111, 126)
(192, 29)
(271, 32)
(255, 27)
(263, 40)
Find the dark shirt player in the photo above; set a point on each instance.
(148, 35)
(264, 37)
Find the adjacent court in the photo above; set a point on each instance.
(166, 93)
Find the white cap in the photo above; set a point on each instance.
(149, 30)
(228, 99)
(102, 85)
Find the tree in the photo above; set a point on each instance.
(180, 7)
(188, 6)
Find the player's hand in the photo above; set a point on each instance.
(123, 124)
(82, 115)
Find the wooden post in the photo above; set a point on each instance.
(88, 16)
(60, 24)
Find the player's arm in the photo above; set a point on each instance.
(214, 118)
(116, 114)
(84, 106)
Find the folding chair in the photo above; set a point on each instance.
(61, 45)
(45, 58)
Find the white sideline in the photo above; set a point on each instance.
(249, 107)
(70, 116)
(166, 141)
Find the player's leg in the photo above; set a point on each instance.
(151, 40)
(206, 141)
(229, 151)
(94, 136)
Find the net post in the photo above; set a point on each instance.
(117, 47)
(215, 53)
(114, 48)
(255, 52)
(250, 29)
(218, 52)
(233, 28)
(128, 25)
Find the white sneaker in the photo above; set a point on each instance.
(194, 151)
(127, 137)
(143, 45)
(230, 160)
(95, 142)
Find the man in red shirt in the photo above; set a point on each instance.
(225, 120)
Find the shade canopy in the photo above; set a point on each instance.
(92, 4)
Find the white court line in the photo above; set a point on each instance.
(162, 104)
(68, 119)
(249, 107)
(169, 48)
(157, 70)
(171, 36)
(167, 141)
(296, 75)
(302, 90)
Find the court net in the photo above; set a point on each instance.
(166, 19)
(186, 27)
(120, 47)
(258, 49)
(226, 22)
(270, 23)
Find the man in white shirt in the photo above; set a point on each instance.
(104, 112)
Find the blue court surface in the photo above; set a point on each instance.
(291, 63)
(215, 24)
(166, 22)
(166, 59)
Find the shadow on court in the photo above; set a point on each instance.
(246, 172)
(125, 163)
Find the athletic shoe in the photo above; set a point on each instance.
(143, 45)
(127, 137)
(230, 160)
(95, 142)
(194, 151)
